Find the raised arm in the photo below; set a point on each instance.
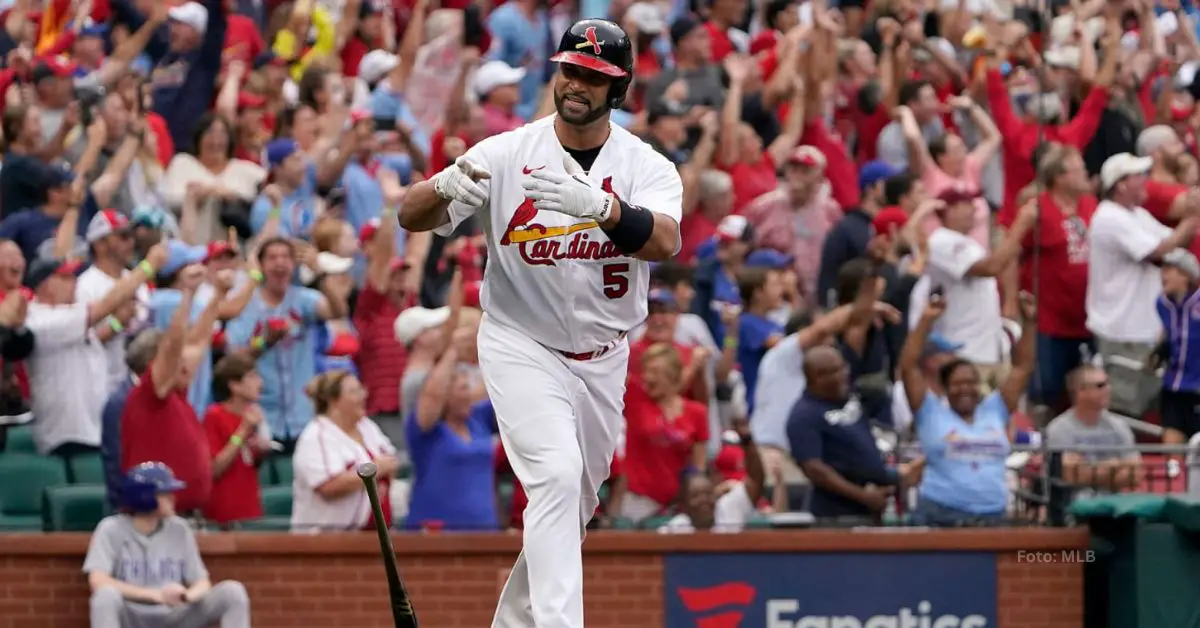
(431, 403)
(915, 386)
(1024, 356)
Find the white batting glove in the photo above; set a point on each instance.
(571, 194)
(459, 182)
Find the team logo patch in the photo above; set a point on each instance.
(589, 37)
(540, 245)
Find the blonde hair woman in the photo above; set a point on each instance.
(327, 493)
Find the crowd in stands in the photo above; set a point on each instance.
(921, 218)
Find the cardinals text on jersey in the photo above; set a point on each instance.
(555, 277)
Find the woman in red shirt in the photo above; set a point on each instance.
(666, 434)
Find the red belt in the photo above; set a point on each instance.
(592, 355)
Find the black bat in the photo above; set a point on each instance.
(402, 611)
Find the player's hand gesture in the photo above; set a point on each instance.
(459, 182)
(571, 193)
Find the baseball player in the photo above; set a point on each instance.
(572, 207)
(144, 568)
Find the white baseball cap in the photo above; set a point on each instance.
(1120, 166)
(648, 17)
(495, 74)
(416, 320)
(1067, 57)
(327, 264)
(376, 64)
(191, 13)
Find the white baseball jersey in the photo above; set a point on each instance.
(554, 277)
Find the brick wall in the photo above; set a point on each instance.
(337, 580)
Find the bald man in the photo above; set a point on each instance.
(831, 440)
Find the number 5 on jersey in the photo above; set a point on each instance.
(616, 280)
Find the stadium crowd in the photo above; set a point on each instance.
(932, 219)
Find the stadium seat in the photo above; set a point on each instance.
(623, 523)
(74, 507)
(277, 501)
(654, 523)
(283, 471)
(86, 469)
(19, 439)
(758, 523)
(25, 477)
(266, 524)
(266, 474)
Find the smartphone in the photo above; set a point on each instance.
(937, 292)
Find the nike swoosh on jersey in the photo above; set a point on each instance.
(528, 170)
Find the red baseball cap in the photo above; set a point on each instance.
(731, 462)
(246, 100)
(889, 219)
(216, 248)
(957, 194)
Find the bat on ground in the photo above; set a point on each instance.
(402, 611)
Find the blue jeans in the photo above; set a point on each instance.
(1055, 358)
(931, 513)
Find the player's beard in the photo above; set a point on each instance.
(593, 113)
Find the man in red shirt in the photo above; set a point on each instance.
(1054, 259)
(1167, 199)
(382, 359)
(235, 440)
(724, 15)
(1021, 138)
(158, 422)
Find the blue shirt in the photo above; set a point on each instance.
(287, 367)
(522, 44)
(454, 477)
(1181, 326)
(110, 442)
(715, 289)
(966, 461)
(389, 104)
(756, 334)
(364, 199)
(298, 211)
(840, 436)
(33, 231)
(163, 303)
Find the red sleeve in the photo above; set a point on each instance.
(166, 146)
(1011, 128)
(1146, 98)
(839, 168)
(1079, 131)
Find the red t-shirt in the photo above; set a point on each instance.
(243, 42)
(352, 55)
(1062, 266)
(167, 431)
(1159, 197)
(719, 44)
(694, 230)
(381, 358)
(658, 449)
(235, 495)
(752, 180)
(520, 500)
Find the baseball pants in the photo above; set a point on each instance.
(559, 421)
(226, 605)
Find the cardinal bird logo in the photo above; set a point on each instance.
(589, 39)
(707, 603)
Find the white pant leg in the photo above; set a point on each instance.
(514, 609)
(534, 395)
(600, 408)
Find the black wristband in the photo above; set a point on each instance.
(633, 228)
